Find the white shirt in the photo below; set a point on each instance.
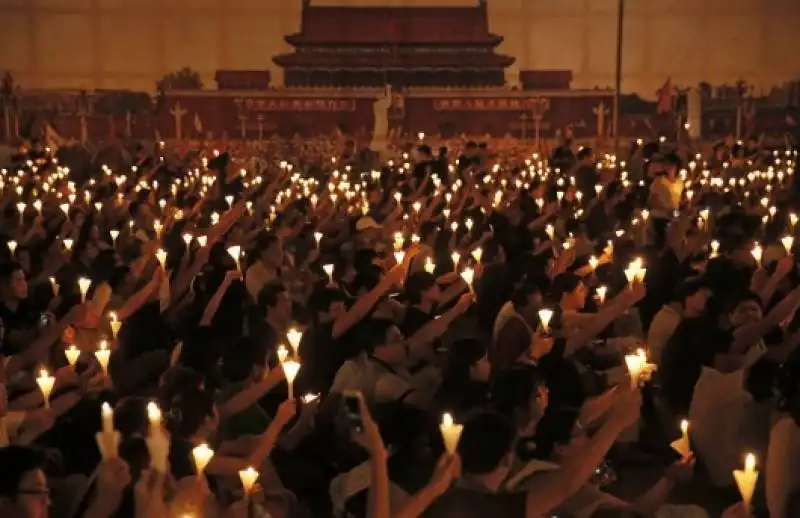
(661, 330)
(256, 277)
(725, 421)
(376, 382)
(783, 459)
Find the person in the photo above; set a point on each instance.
(664, 198)
(485, 449)
(689, 302)
(266, 267)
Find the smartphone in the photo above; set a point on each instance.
(351, 410)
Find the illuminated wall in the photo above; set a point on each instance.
(131, 43)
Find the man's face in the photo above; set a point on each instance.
(18, 285)
(32, 499)
(746, 312)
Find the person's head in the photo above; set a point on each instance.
(570, 292)
(694, 295)
(520, 395)
(23, 485)
(486, 448)
(13, 282)
(586, 156)
(275, 303)
(528, 295)
(269, 249)
(193, 414)
(559, 433)
(327, 304)
(421, 288)
(245, 361)
(745, 308)
(376, 333)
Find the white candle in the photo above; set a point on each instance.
(290, 369)
(469, 276)
(746, 480)
(54, 285)
(318, 238)
(310, 398)
(236, 252)
(154, 417)
(161, 255)
(283, 353)
(399, 256)
(202, 456)
(248, 477)
(328, 268)
(635, 365)
(158, 227)
(430, 267)
(107, 414)
(12, 246)
(788, 242)
(68, 244)
(103, 355)
(294, 336)
(114, 235)
(451, 433)
(682, 445)
(456, 257)
(601, 294)
(83, 286)
(478, 254)
(187, 239)
(757, 252)
(46, 383)
(114, 323)
(593, 263)
(64, 208)
(73, 354)
(545, 315)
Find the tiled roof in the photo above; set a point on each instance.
(394, 26)
(392, 60)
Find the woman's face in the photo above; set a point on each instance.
(746, 312)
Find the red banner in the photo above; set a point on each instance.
(480, 104)
(296, 105)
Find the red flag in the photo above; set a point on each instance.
(665, 98)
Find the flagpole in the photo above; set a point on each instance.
(618, 82)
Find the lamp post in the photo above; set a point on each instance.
(618, 82)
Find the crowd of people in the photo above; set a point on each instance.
(458, 333)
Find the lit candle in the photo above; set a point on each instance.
(54, 285)
(248, 477)
(65, 209)
(45, 382)
(757, 252)
(107, 414)
(456, 257)
(202, 456)
(682, 445)
(72, 353)
(593, 263)
(114, 235)
(318, 238)
(746, 480)
(290, 369)
(601, 294)
(788, 242)
(451, 433)
(21, 208)
(83, 286)
(161, 255)
(310, 398)
(68, 244)
(187, 239)
(294, 336)
(202, 240)
(158, 227)
(236, 252)
(12, 246)
(38, 206)
(283, 353)
(636, 364)
(103, 355)
(114, 323)
(430, 267)
(478, 254)
(545, 315)
(328, 268)
(469, 276)
(399, 255)
(154, 417)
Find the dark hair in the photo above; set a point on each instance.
(487, 439)
(690, 287)
(527, 287)
(744, 296)
(268, 296)
(16, 461)
(238, 361)
(760, 380)
(417, 284)
(8, 269)
(188, 411)
(130, 417)
(562, 284)
(584, 153)
(321, 299)
(787, 385)
(513, 388)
